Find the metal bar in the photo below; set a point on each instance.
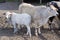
(40, 1)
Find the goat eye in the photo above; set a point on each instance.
(4, 13)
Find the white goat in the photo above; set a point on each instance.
(39, 14)
(42, 16)
(20, 19)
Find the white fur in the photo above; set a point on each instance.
(20, 19)
(42, 15)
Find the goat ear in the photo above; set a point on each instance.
(4, 13)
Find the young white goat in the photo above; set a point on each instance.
(20, 19)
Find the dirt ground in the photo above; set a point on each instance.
(6, 33)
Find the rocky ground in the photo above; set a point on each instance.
(7, 34)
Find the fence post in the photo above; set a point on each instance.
(40, 1)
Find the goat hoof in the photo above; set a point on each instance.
(15, 32)
(27, 33)
(30, 35)
(36, 34)
(52, 30)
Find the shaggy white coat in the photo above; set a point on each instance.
(20, 19)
